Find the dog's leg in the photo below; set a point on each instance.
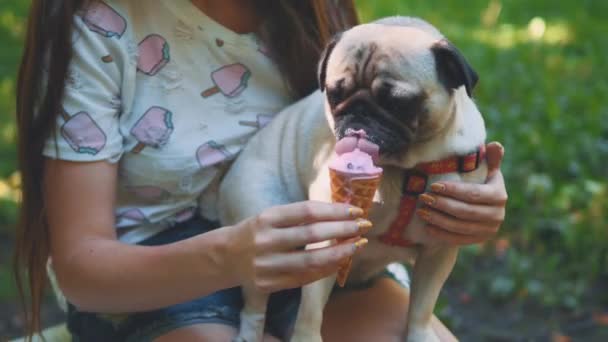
(253, 315)
(310, 313)
(433, 266)
(307, 327)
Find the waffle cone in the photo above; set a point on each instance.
(358, 192)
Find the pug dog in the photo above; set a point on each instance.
(403, 84)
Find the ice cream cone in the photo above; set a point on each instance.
(358, 191)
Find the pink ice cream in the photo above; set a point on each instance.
(82, 133)
(104, 20)
(355, 156)
(153, 129)
(230, 80)
(153, 54)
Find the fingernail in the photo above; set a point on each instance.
(437, 187)
(424, 214)
(364, 225)
(355, 212)
(427, 199)
(359, 244)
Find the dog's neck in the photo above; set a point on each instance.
(465, 132)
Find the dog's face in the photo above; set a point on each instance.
(396, 82)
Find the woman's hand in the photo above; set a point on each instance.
(463, 213)
(269, 247)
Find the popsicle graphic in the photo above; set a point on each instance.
(261, 121)
(153, 54)
(211, 153)
(82, 133)
(149, 193)
(184, 215)
(153, 129)
(230, 80)
(134, 215)
(103, 19)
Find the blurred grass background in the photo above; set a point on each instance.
(543, 91)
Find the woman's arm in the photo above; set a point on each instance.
(98, 273)
(465, 213)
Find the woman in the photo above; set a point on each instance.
(128, 113)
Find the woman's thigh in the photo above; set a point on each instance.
(377, 313)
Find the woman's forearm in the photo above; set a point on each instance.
(104, 275)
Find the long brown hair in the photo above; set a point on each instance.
(295, 36)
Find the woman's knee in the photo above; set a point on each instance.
(208, 332)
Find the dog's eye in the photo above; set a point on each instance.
(334, 96)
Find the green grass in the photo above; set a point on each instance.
(543, 87)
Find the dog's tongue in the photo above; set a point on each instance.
(355, 155)
(354, 140)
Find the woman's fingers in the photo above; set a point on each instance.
(464, 210)
(494, 154)
(307, 212)
(281, 271)
(306, 261)
(288, 281)
(284, 239)
(492, 193)
(450, 238)
(456, 225)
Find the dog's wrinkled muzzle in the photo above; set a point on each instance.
(383, 133)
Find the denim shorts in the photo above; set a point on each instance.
(221, 307)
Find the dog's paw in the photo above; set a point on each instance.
(422, 335)
(306, 338)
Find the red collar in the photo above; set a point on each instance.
(415, 183)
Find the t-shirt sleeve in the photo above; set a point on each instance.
(88, 126)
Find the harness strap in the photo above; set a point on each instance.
(415, 181)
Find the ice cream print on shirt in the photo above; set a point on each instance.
(230, 80)
(131, 216)
(260, 121)
(82, 133)
(149, 193)
(153, 129)
(103, 19)
(211, 153)
(153, 54)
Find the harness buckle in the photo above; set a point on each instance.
(414, 182)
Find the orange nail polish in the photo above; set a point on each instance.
(359, 244)
(424, 214)
(427, 199)
(355, 212)
(437, 187)
(364, 224)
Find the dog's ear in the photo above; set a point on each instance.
(453, 69)
(322, 68)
